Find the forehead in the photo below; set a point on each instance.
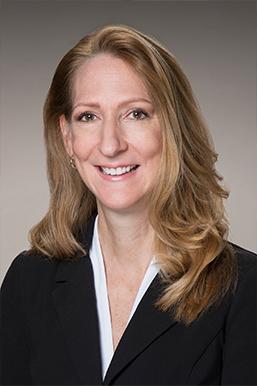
(107, 76)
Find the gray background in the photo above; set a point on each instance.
(214, 41)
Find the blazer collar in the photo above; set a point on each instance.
(75, 301)
(146, 325)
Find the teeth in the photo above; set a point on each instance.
(117, 171)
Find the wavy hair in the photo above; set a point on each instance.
(186, 209)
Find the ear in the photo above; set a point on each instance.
(66, 134)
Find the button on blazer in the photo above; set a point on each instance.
(49, 330)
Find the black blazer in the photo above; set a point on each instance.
(50, 335)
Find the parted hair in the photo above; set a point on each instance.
(186, 210)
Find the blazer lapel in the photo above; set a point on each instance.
(147, 324)
(75, 302)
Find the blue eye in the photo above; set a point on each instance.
(86, 117)
(139, 114)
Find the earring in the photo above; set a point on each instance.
(72, 163)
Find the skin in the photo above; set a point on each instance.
(112, 133)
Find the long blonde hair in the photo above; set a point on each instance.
(186, 206)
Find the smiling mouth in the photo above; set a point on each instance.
(120, 171)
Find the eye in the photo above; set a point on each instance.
(138, 114)
(86, 117)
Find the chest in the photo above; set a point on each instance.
(121, 299)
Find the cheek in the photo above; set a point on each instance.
(151, 146)
(82, 146)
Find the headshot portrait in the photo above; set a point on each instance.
(128, 229)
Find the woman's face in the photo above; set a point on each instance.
(114, 135)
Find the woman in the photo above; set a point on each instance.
(130, 278)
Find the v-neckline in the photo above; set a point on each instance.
(103, 304)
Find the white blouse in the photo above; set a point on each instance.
(103, 310)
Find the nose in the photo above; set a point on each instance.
(112, 141)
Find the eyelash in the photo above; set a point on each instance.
(87, 113)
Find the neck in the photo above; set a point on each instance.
(127, 240)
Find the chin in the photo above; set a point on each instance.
(120, 205)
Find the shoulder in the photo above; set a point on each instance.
(246, 264)
(32, 262)
(243, 304)
(246, 256)
(239, 352)
(28, 269)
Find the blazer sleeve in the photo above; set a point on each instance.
(14, 350)
(239, 361)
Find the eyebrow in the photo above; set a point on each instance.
(126, 102)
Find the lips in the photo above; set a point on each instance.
(119, 176)
(110, 166)
(120, 170)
